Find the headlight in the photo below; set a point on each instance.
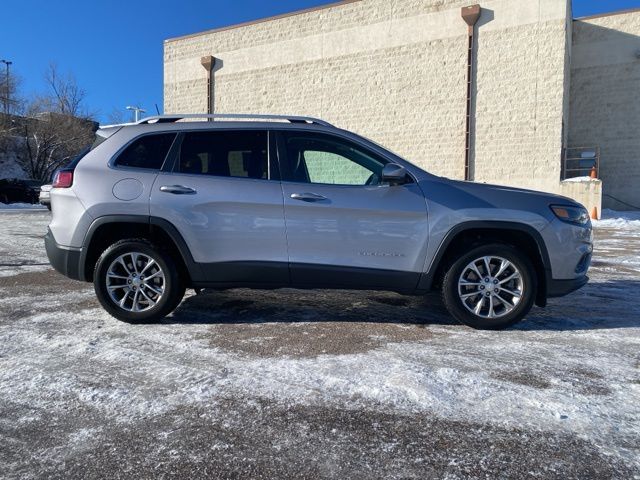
(571, 214)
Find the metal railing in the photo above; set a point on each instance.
(581, 162)
(232, 116)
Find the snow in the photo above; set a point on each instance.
(580, 179)
(629, 221)
(570, 368)
(21, 206)
(22, 240)
(9, 161)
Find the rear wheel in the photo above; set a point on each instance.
(490, 287)
(136, 282)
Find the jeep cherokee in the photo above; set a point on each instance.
(262, 201)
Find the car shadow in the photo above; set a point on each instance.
(598, 305)
(237, 306)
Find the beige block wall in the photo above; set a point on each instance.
(588, 192)
(605, 100)
(395, 71)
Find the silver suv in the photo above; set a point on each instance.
(270, 201)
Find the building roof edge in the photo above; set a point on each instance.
(262, 20)
(608, 14)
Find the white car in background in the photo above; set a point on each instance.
(45, 196)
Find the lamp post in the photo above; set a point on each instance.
(136, 111)
(7, 93)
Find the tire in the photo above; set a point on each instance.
(156, 296)
(508, 294)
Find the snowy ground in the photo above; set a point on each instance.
(289, 384)
(21, 206)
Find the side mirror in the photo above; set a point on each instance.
(394, 174)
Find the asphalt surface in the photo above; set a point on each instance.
(315, 384)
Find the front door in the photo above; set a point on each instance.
(226, 200)
(346, 228)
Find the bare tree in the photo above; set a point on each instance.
(117, 116)
(9, 92)
(66, 96)
(53, 126)
(51, 139)
(59, 125)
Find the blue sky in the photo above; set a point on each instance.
(114, 48)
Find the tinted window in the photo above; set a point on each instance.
(73, 163)
(319, 158)
(241, 153)
(148, 151)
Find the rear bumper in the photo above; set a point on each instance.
(559, 288)
(65, 260)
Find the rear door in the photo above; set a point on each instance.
(224, 197)
(344, 226)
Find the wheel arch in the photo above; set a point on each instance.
(108, 229)
(474, 233)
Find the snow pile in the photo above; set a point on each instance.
(21, 206)
(617, 219)
(9, 159)
(579, 179)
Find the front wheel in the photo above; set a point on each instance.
(136, 282)
(490, 287)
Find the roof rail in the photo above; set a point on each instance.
(237, 116)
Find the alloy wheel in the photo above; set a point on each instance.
(490, 286)
(135, 282)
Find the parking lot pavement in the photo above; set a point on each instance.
(316, 384)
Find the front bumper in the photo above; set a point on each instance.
(559, 288)
(65, 260)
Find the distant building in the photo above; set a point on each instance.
(396, 72)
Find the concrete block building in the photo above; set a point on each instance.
(547, 97)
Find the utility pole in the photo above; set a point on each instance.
(136, 111)
(7, 93)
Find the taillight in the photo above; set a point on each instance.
(63, 179)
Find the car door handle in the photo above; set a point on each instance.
(177, 189)
(308, 197)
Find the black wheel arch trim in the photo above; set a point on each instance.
(166, 226)
(426, 281)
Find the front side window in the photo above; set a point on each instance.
(224, 153)
(321, 158)
(148, 151)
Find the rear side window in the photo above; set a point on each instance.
(148, 151)
(224, 153)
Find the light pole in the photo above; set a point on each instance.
(136, 111)
(6, 97)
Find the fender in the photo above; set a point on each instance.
(166, 226)
(426, 280)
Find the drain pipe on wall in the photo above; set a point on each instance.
(208, 63)
(470, 15)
